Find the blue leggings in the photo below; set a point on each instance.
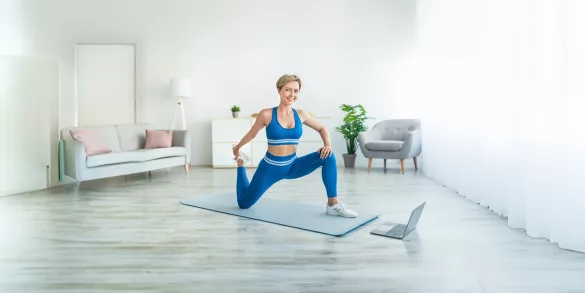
(275, 168)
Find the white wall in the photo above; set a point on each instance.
(30, 102)
(499, 88)
(11, 27)
(105, 83)
(233, 52)
(28, 99)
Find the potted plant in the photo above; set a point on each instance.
(353, 124)
(235, 111)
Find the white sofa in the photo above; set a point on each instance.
(127, 154)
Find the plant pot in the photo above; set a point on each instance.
(349, 160)
(235, 114)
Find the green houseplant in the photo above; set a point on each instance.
(353, 124)
(235, 111)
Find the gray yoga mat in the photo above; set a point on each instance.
(287, 213)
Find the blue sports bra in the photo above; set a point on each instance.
(278, 135)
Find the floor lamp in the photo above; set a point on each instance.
(180, 89)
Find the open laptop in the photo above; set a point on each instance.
(400, 231)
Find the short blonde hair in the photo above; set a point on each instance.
(286, 79)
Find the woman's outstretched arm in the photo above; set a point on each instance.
(260, 123)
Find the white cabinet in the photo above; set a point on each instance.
(259, 149)
(225, 132)
(230, 130)
(223, 155)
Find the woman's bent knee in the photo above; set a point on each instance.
(331, 158)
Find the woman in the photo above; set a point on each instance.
(283, 131)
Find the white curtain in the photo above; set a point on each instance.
(500, 88)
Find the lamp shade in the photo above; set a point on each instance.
(180, 87)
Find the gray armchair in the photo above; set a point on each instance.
(397, 139)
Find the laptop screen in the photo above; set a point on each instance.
(414, 217)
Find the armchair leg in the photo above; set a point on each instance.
(370, 164)
(402, 165)
(415, 164)
(384, 165)
(186, 168)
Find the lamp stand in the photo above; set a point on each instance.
(179, 105)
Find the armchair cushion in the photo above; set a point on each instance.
(391, 139)
(384, 145)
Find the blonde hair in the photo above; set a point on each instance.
(286, 79)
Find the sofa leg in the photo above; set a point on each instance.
(186, 168)
(370, 164)
(402, 165)
(384, 165)
(415, 164)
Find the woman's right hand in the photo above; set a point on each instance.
(236, 151)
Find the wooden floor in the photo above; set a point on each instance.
(131, 234)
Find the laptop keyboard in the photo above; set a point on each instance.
(397, 231)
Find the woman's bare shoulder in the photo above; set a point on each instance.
(265, 115)
(304, 115)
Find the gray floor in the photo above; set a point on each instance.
(131, 234)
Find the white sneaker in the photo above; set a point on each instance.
(340, 209)
(243, 156)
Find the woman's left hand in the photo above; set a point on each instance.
(325, 151)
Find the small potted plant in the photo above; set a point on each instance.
(235, 111)
(353, 124)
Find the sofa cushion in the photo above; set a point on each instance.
(158, 139)
(384, 145)
(132, 136)
(108, 133)
(141, 155)
(92, 141)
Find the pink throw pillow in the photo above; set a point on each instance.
(158, 139)
(92, 142)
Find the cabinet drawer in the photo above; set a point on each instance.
(258, 152)
(223, 155)
(229, 130)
